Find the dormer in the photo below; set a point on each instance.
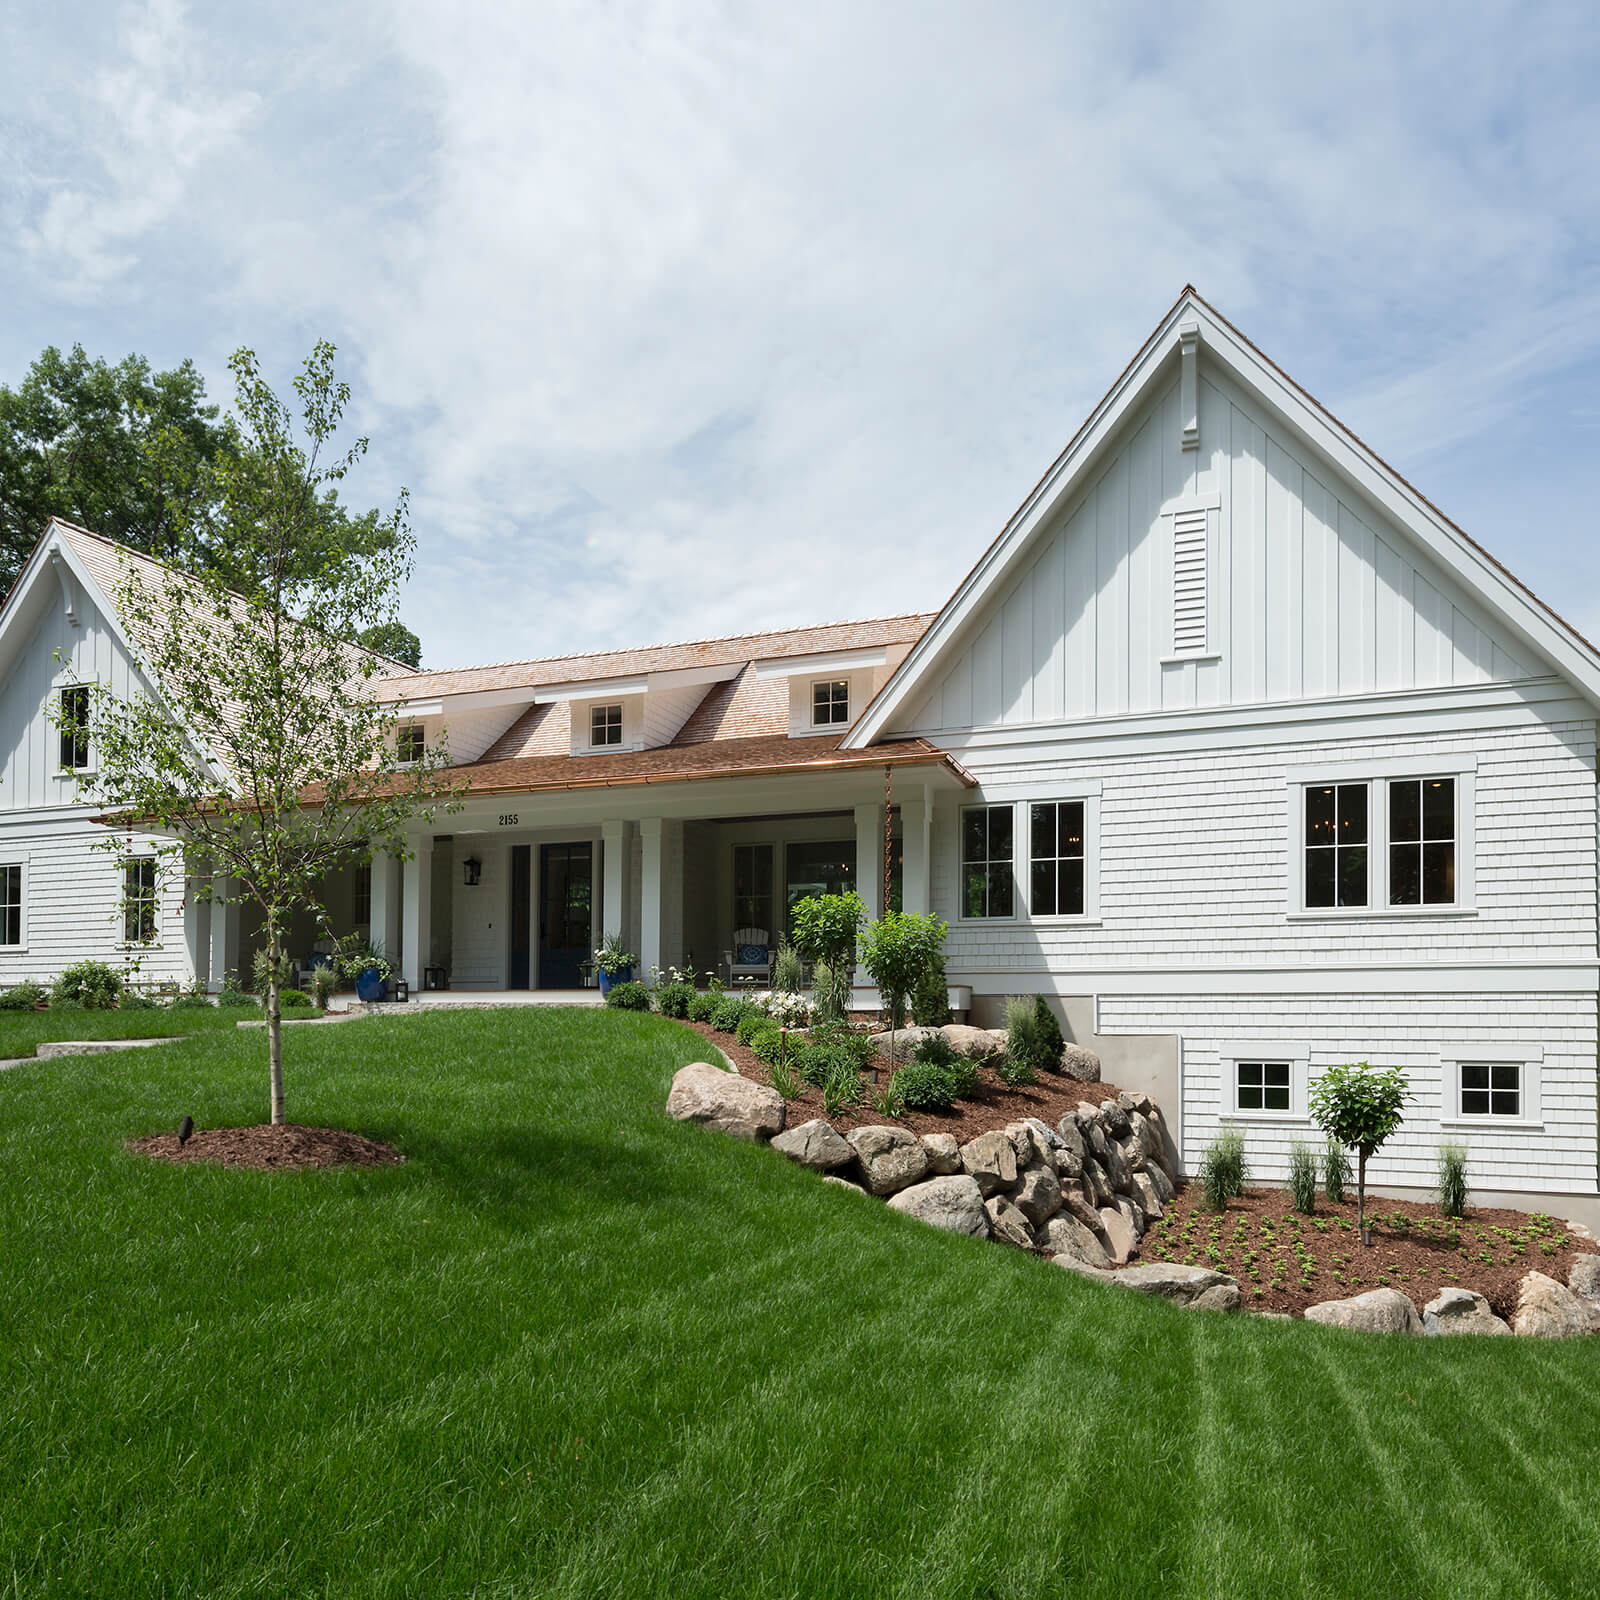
(827, 692)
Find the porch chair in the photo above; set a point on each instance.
(751, 956)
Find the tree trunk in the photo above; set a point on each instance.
(1361, 1194)
(275, 1031)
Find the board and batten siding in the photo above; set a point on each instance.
(1309, 592)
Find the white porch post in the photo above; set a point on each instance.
(869, 866)
(197, 928)
(916, 840)
(224, 935)
(650, 897)
(384, 927)
(616, 838)
(416, 937)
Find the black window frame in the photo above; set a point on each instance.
(996, 871)
(72, 751)
(1423, 858)
(1334, 861)
(141, 906)
(751, 860)
(1265, 1081)
(1063, 874)
(1492, 1098)
(12, 890)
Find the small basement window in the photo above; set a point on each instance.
(830, 702)
(1491, 1089)
(1262, 1085)
(605, 725)
(74, 718)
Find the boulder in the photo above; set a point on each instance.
(1171, 1280)
(906, 1040)
(723, 1100)
(1038, 1195)
(975, 1042)
(1080, 1064)
(1114, 1119)
(1100, 1185)
(1219, 1297)
(843, 1183)
(1376, 1311)
(992, 1160)
(1131, 1102)
(944, 1153)
(1006, 1223)
(1160, 1182)
(815, 1144)
(1143, 1146)
(1084, 1270)
(951, 1203)
(1549, 1310)
(1028, 1149)
(1073, 1200)
(891, 1158)
(1149, 1201)
(1132, 1214)
(1118, 1171)
(1070, 1152)
(1121, 1241)
(1460, 1311)
(1088, 1115)
(1171, 1164)
(1584, 1278)
(1065, 1235)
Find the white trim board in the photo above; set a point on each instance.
(1512, 977)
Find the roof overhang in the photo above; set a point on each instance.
(576, 689)
(836, 661)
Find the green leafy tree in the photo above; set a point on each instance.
(394, 640)
(1360, 1106)
(267, 761)
(899, 950)
(825, 930)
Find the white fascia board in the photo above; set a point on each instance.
(443, 702)
(1529, 620)
(594, 689)
(833, 661)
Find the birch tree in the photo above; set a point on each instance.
(261, 757)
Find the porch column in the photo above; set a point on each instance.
(650, 897)
(224, 936)
(197, 928)
(614, 866)
(869, 867)
(416, 937)
(384, 927)
(916, 846)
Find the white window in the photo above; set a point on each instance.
(73, 728)
(830, 702)
(1491, 1089)
(1056, 846)
(139, 900)
(361, 895)
(409, 743)
(605, 725)
(1261, 1085)
(1269, 1079)
(11, 905)
(988, 861)
(1491, 1086)
(1384, 842)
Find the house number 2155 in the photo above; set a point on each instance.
(508, 819)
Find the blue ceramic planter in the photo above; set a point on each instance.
(606, 979)
(369, 986)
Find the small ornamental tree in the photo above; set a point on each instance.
(263, 757)
(898, 950)
(1359, 1106)
(826, 927)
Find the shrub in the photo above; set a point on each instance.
(888, 1101)
(1303, 1177)
(1360, 1106)
(927, 1085)
(786, 1080)
(750, 1024)
(1033, 1036)
(230, 994)
(788, 970)
(261, 968)
(322, 982)
(787, 1010)
(1013, 1071)
(836, 1036)
(674, 999)
(1051, 1043)
(930, 1000)
(22, 997)
(1453, 1179)
(730, 1012)
(91, 984)
(133, 1000)
(819, 1061)
(766, 1043)
(294, 1000)
(1223, 1169)
(842, 1085)
(191, 1000)
(629, 996)
(703, 1008)
(1335, 1171)
(898, 950)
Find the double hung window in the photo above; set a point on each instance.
(1383, 844)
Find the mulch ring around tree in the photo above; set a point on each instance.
(1286, 1261)
(290, 1147)
(992, 1106)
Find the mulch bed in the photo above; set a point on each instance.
(290, 1147)
(993, 1106)
(1298, 1260)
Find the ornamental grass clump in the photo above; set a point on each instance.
(1223, 1169)
(1303, 1177)
(1453, 1187)
(788, 971)
(1335, 1171)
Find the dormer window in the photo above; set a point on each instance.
(830, 702)
(408, 743)
(605, 725)
(74, 717)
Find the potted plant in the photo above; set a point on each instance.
(613, 963)
(366, 966)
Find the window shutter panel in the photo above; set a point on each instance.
(1189, 583)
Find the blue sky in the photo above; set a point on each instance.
(682, 319)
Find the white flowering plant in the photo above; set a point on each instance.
(787, 1010)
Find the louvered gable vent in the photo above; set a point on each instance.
(1189, 583)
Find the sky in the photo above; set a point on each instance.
(679, 320)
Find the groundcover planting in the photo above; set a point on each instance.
(570, 1348)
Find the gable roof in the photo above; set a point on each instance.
(1530, 619)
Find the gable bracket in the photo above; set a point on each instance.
(69, 588)
(1189, 384)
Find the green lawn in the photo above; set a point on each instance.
(22, 1032)
(573, 1349)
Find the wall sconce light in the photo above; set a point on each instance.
(473, 868)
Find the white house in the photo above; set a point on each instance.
(1231, 744)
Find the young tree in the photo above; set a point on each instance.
(264, 755)
(1359, 1106)
(826, 927)
(898, 951)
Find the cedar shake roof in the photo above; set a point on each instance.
(827, 637)
(540, 731)
(718, 758)
(740, 708)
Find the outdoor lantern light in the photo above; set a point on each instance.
(473, 867)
